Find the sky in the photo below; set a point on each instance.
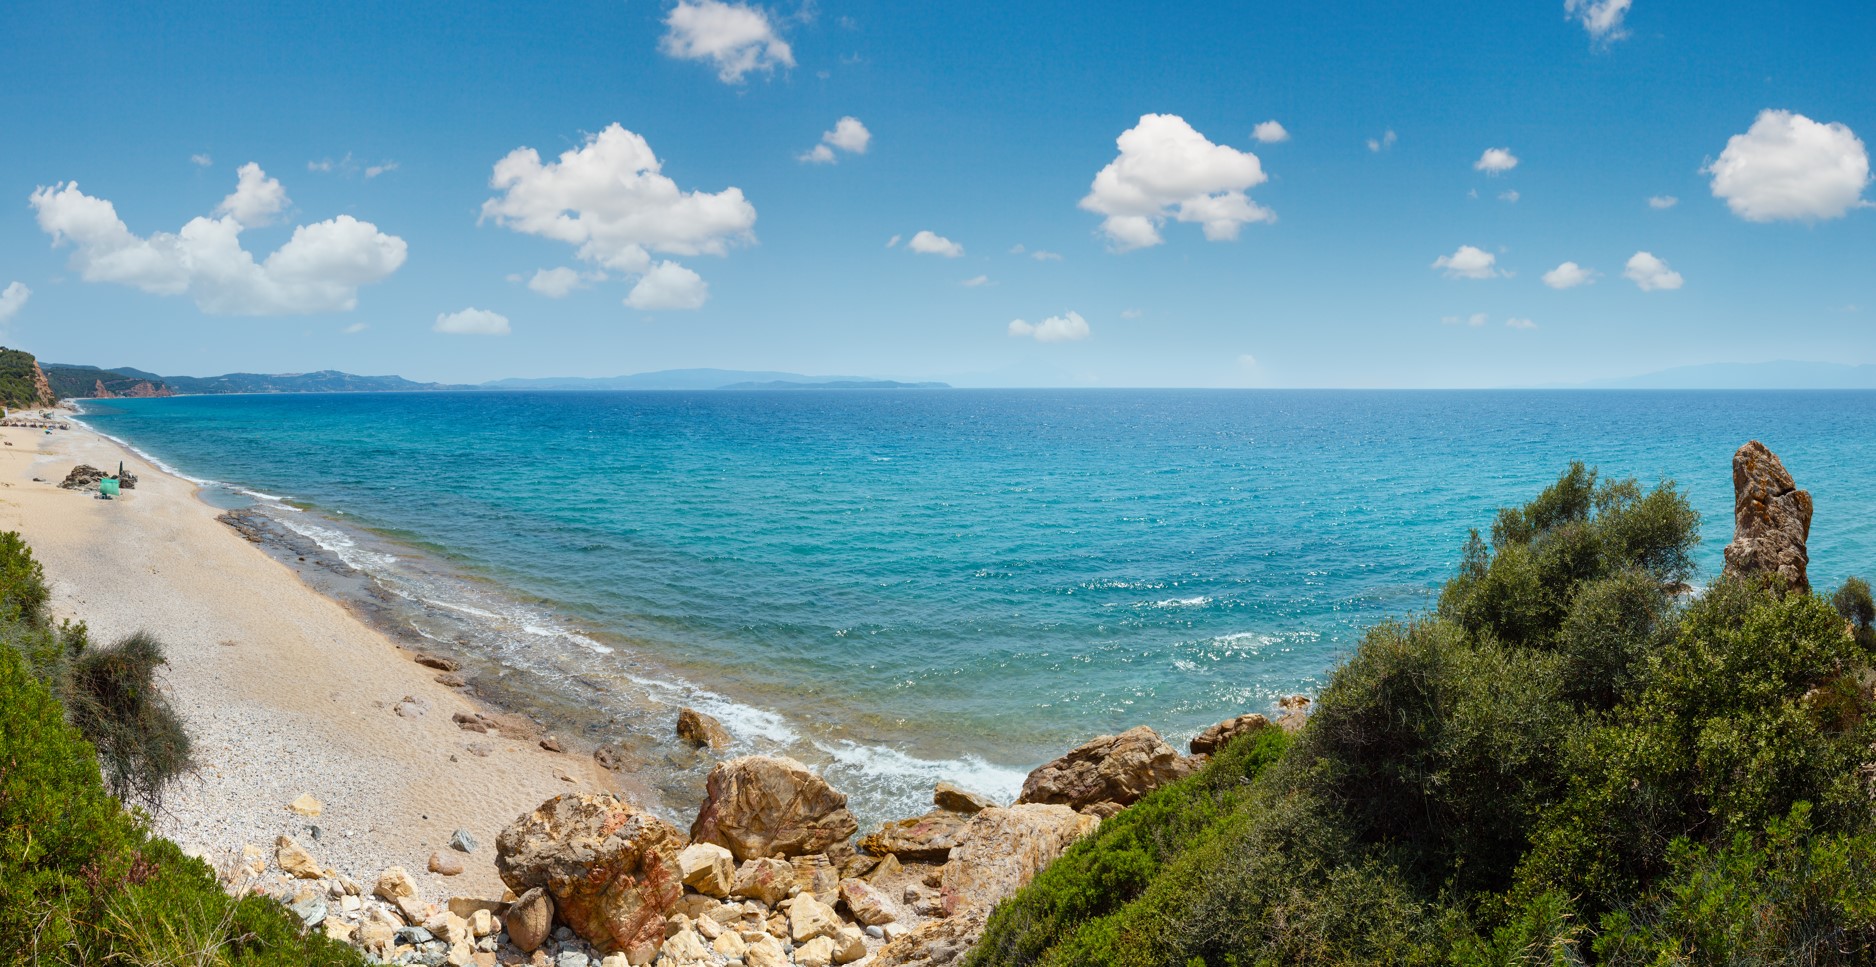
(1041, 194)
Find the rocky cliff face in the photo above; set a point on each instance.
(140, 388)
(46, 396)
(1771, 520)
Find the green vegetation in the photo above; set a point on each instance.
(17, 384)
(82, 880)
(1569, 762)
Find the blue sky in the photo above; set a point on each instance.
(1315, 260)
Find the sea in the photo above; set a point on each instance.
(905, 586)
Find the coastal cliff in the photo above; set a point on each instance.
(22, 382)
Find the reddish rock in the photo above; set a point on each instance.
(771, 806)
(1113, 768)
(610, 867)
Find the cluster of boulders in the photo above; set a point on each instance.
(86, 477)
(768, 875)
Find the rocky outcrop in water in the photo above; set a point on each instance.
(701, 730)
(758, 806)
(1115, 769)
(1771, 520)
(1220, 735)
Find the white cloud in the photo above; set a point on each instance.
(1602, 18)
(1044, 255)
(373, 171)
(1017, 249)
(1468, 262)
(1474, 320)
(1384, 141)
(1167, 169)
(1569, 275)
(928, 243)
(1067, 327)
(1496, 161)
(1509, 196)
(894, 240)
(1663, 202)
(1517, 323)
(557, 283)
(354, 328)
(848, 135)
(1270, 132)
(610, 199)
(1247, 360)
(256, 199)
(319, 269)
(201, 160)
(1130, 313)
(668, 286)
(975, 281)
(12, 299)
(736, 37)
(1650, 273)
(1787, 166)
(472, 322)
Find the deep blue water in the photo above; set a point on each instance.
(916, 582)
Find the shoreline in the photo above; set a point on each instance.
(267, 671)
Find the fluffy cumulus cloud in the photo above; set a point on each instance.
(1270, 132)
(558, 283)
(848, 135)
(1067, 327)
(472, 322)
(1569, 275)
(668, 286)
(1496, 161)
(319, 269)
(12, 300)
(1663, 202)
(1168, 170)
(1468, 262)
(201, 160)
(1602, 18)
(931, 243)
(1383, 142)
(610, 199)
(1650, 273)
(735, 37)
(1787, 166)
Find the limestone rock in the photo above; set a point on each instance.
(818, 952)
(771, 806)
(295, 861)
(445, 864)
(941, 942)
(529, 920)
(707, 868)
(766, 952)
(701, 730)
(809, 918)
(1771, 520)
(816, 874)
(684, 947)
(767, 880)
(1220, 735)
(1292, 712)
(1004, 849)
(926, 839)
(958, 800)
(394, 883)
(467, 907)
(306, 805)
(612, 868)
(1113, 768)
(849, 945)
(865, 903)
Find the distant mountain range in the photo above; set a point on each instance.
(1783, 374)
(92, 382)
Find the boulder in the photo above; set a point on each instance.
(1113, 768)
(393, 884)
(866, 904)
(766, 952)
(1292, 712)
(816, 874)
(707, 868)
(771, 806)
(926, 839)
(765, 880)
(948, 796)
(1771, 520)
(809, 918)
(295, 861)
(610, 867)
(445, 864)
(1003, 850)
(849, 945)
(701, 730)
(530, 919)
(1218, 736)
(818, 952)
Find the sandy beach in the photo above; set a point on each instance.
(285, 691)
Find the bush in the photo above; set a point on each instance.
(22, 582)
(111, 695)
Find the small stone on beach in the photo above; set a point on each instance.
(461, 840)
(445, 864)
(306, 805)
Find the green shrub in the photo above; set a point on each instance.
(111, 696)
(22, 582)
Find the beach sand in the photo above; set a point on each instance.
(285, 691)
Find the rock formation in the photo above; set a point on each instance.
(701, 730)
(928, 838)
(1113, 768)
(611, 869)
(757, 806)
(1771, 520)
(1216, 737)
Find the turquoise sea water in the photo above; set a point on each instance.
(912, 585)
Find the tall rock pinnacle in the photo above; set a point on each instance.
(1771, 519)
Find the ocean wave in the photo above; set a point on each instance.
(1196, 601)
(339, 545)
(902, 783)
(744, 722)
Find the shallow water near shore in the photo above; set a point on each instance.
(901, 587)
